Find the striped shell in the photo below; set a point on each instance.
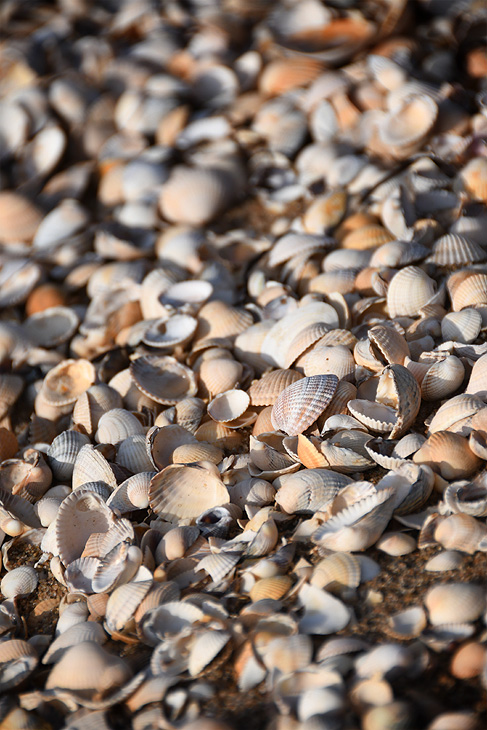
(301, 403)
(184, 492)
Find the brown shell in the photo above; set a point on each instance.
(163, 379)
(266, 390)
(301, 403)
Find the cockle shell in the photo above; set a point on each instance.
(210, 190)
(265, 391)
(184, 492)
(442, 379)
(461, 326)
(67, 381)
(163, 379)
(19, 218)
(449, 454)
(90, 670)
(116, 425)
(454, 603)
(301, 403)
(19, 582)
(309, 490)
(409, 290)
(18, 659)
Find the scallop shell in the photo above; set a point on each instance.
(217, 320)
(266, 390)
(470, 291)
(301, 403)
(65, 382)
(405, 128)
(184, 492)
(123, 603)
(163, 379)
(451, 603)
(455, 250)
(477, 384)
(63, 453)
(461, 532)
(409, 290)
(337, 571)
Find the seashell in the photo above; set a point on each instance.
(206, 646)
(470, 291)
(293, 244)
(442, 379)
(215, 521)
(163, 379)
(184, 492)
(18, 659)
(177, 330)
(461, 532)
(468, 660)
(89, 670)
(446, 560)
(52, 326)
(409, 290)
(210, 190)
(337, 360)
(219, 375)
(77, 634)
(93, 403)
(449, 454)
(398, 388)
(336, 572)
(217, 320)
(19, 582)
(396, 543)
(275, 588)
(266, 390)
(453, 720)
(455, 250)
(116, 425)
(218, 435)
(132, 494)
(275, 345)
(473, 178)
(64, 221)
(345, 452)
(405, 127)
(19, 218)
(454, 603)
(81, 514)
(63, 453)
(303, 450)
(461, 326)
(17, 280)
(301, 403)
(455, 411)
(323, 613)
(228, 406)
(178, 539)
(357, 526)
(388, 345)
(123, 602)
(162, 442)
(65, 382)
(477, 384)
(407, 624)
(308, 491)
(90, 465)
(468, 498)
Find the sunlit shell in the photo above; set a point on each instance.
(405, 128)
(461, 532)
(470, 291)
(228, 406)
(176, 330)
(19, 218)
(337, 571)
(274, 588)
(209, 191)
(467, 497)
(17, 660)
(67, 381)
(132, 494)
(19, 582)
(207, 645)
(323, 613)
(163, 379)
(123, 602)
(388, 344)
(82, 513)
(396, 543)
(461, 326)
(409, 290)
(52, 326)
(18, 278)
(451, 603)
(293, 244)
(220, 374)
(93, 403)
(266, 390)
(63, 453)
(477, 383)
(309, 490)
(184, 492)
(337, 360)
(446, 560)
(442, 379)
(218, 319)
(473, 177)
(301, 403)
(304, 450)
(455, 410)
(325, 212)
(116, 425)
(455, 250)
(449, 454)
(89, 669)
(407, 624)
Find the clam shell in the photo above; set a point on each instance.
(407, 624)
(470, 291)
(301, 403)
(65, 382)
(18, 659)
(446, 560)
(275, 588)
(477, 384)
(409, 290)
(162, 442)
(323, 613)
(217, 319)
(388, 344)
(455, 410)
(132, 494)
(91, 465)
(461, 326)
(321, 360)
(455, 250)
(177, 330)
(210, 192)
(77, 634)
(228, 406)
(454, 603)
(266, 390)
(89, 670)
(123, 603)
(19, 218)
(17, 280)
(449, 454)
(204, 649)
(116, 425)
(293, 244)
(184, 492)
(442, 379)
(461, 532)
(219, 375)
(93, 403)
(63, 453)
(19, 582)
(405, 128)
(163, 379)
(309, 490)
(337, 571)
(52, 326)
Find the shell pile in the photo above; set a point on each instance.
(243, 364)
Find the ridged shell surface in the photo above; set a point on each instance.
(301, 403)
